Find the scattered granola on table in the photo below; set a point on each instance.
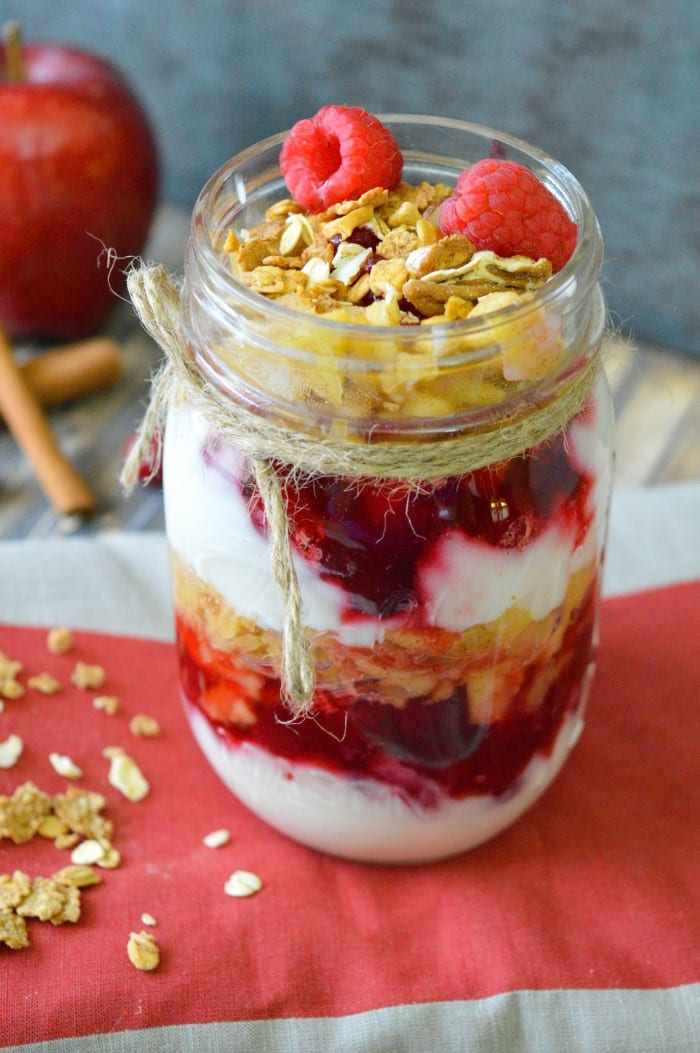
(59, 640)
(88, 677)
(56, 899)
(143, 951)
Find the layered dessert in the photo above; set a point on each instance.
(450, 619)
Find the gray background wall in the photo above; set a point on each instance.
(611, 88)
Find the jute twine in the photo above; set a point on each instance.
(156, 299)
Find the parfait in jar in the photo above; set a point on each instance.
(401, 319)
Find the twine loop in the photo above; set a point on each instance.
(156, 299)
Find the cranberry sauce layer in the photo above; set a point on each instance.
(422, 750)
(373, 539)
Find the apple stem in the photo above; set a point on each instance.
(14, 63)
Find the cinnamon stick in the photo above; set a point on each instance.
(63, 486)
(65, 373)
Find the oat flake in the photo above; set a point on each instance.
(64, 766)
(10, 751)
(217, 838)
(242, 883)
(125, 775)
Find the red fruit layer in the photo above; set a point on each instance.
(421, 750)
(373, 539)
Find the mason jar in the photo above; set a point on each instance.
(386, 540)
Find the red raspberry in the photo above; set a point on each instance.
(337, 155)
(503, 207)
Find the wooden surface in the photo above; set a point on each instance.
(656, 394)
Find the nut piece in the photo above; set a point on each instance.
(88, 677)
(64, 766)
(59, 640)
(217, 838)
(144, 727)
(107, 703)
(148, 919)
(11, 689)
(10, 751)
(9, 669)
(44, 683)
(143, 951)
(125, 774)
(242, 883)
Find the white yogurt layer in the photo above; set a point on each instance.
(363, 819)
(466, 582)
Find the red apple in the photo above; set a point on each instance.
(78, 188)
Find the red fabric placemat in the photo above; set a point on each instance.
(594, 888)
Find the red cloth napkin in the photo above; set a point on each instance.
(594, 888)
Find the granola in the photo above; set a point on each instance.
(109, 704)
(44, 683)
(125, 774)
(65, 766)
(381, 260)
(14, 888)
(59, 640)
(22, 813)
(399, 244)
(144, 727)
(13, 930)
(143, 951)
(87, 677)
(51, 900)
(81, 811)
(56, 899)
(242, 883)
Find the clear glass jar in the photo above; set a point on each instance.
(450, 614)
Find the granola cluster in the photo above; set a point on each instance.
(70, 819)
(73, 820)
(55, 899)
(382, 260)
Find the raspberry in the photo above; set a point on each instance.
(503, 207)
(338, 155)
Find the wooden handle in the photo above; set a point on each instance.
(65, 489)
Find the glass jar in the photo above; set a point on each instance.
(445, 508)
